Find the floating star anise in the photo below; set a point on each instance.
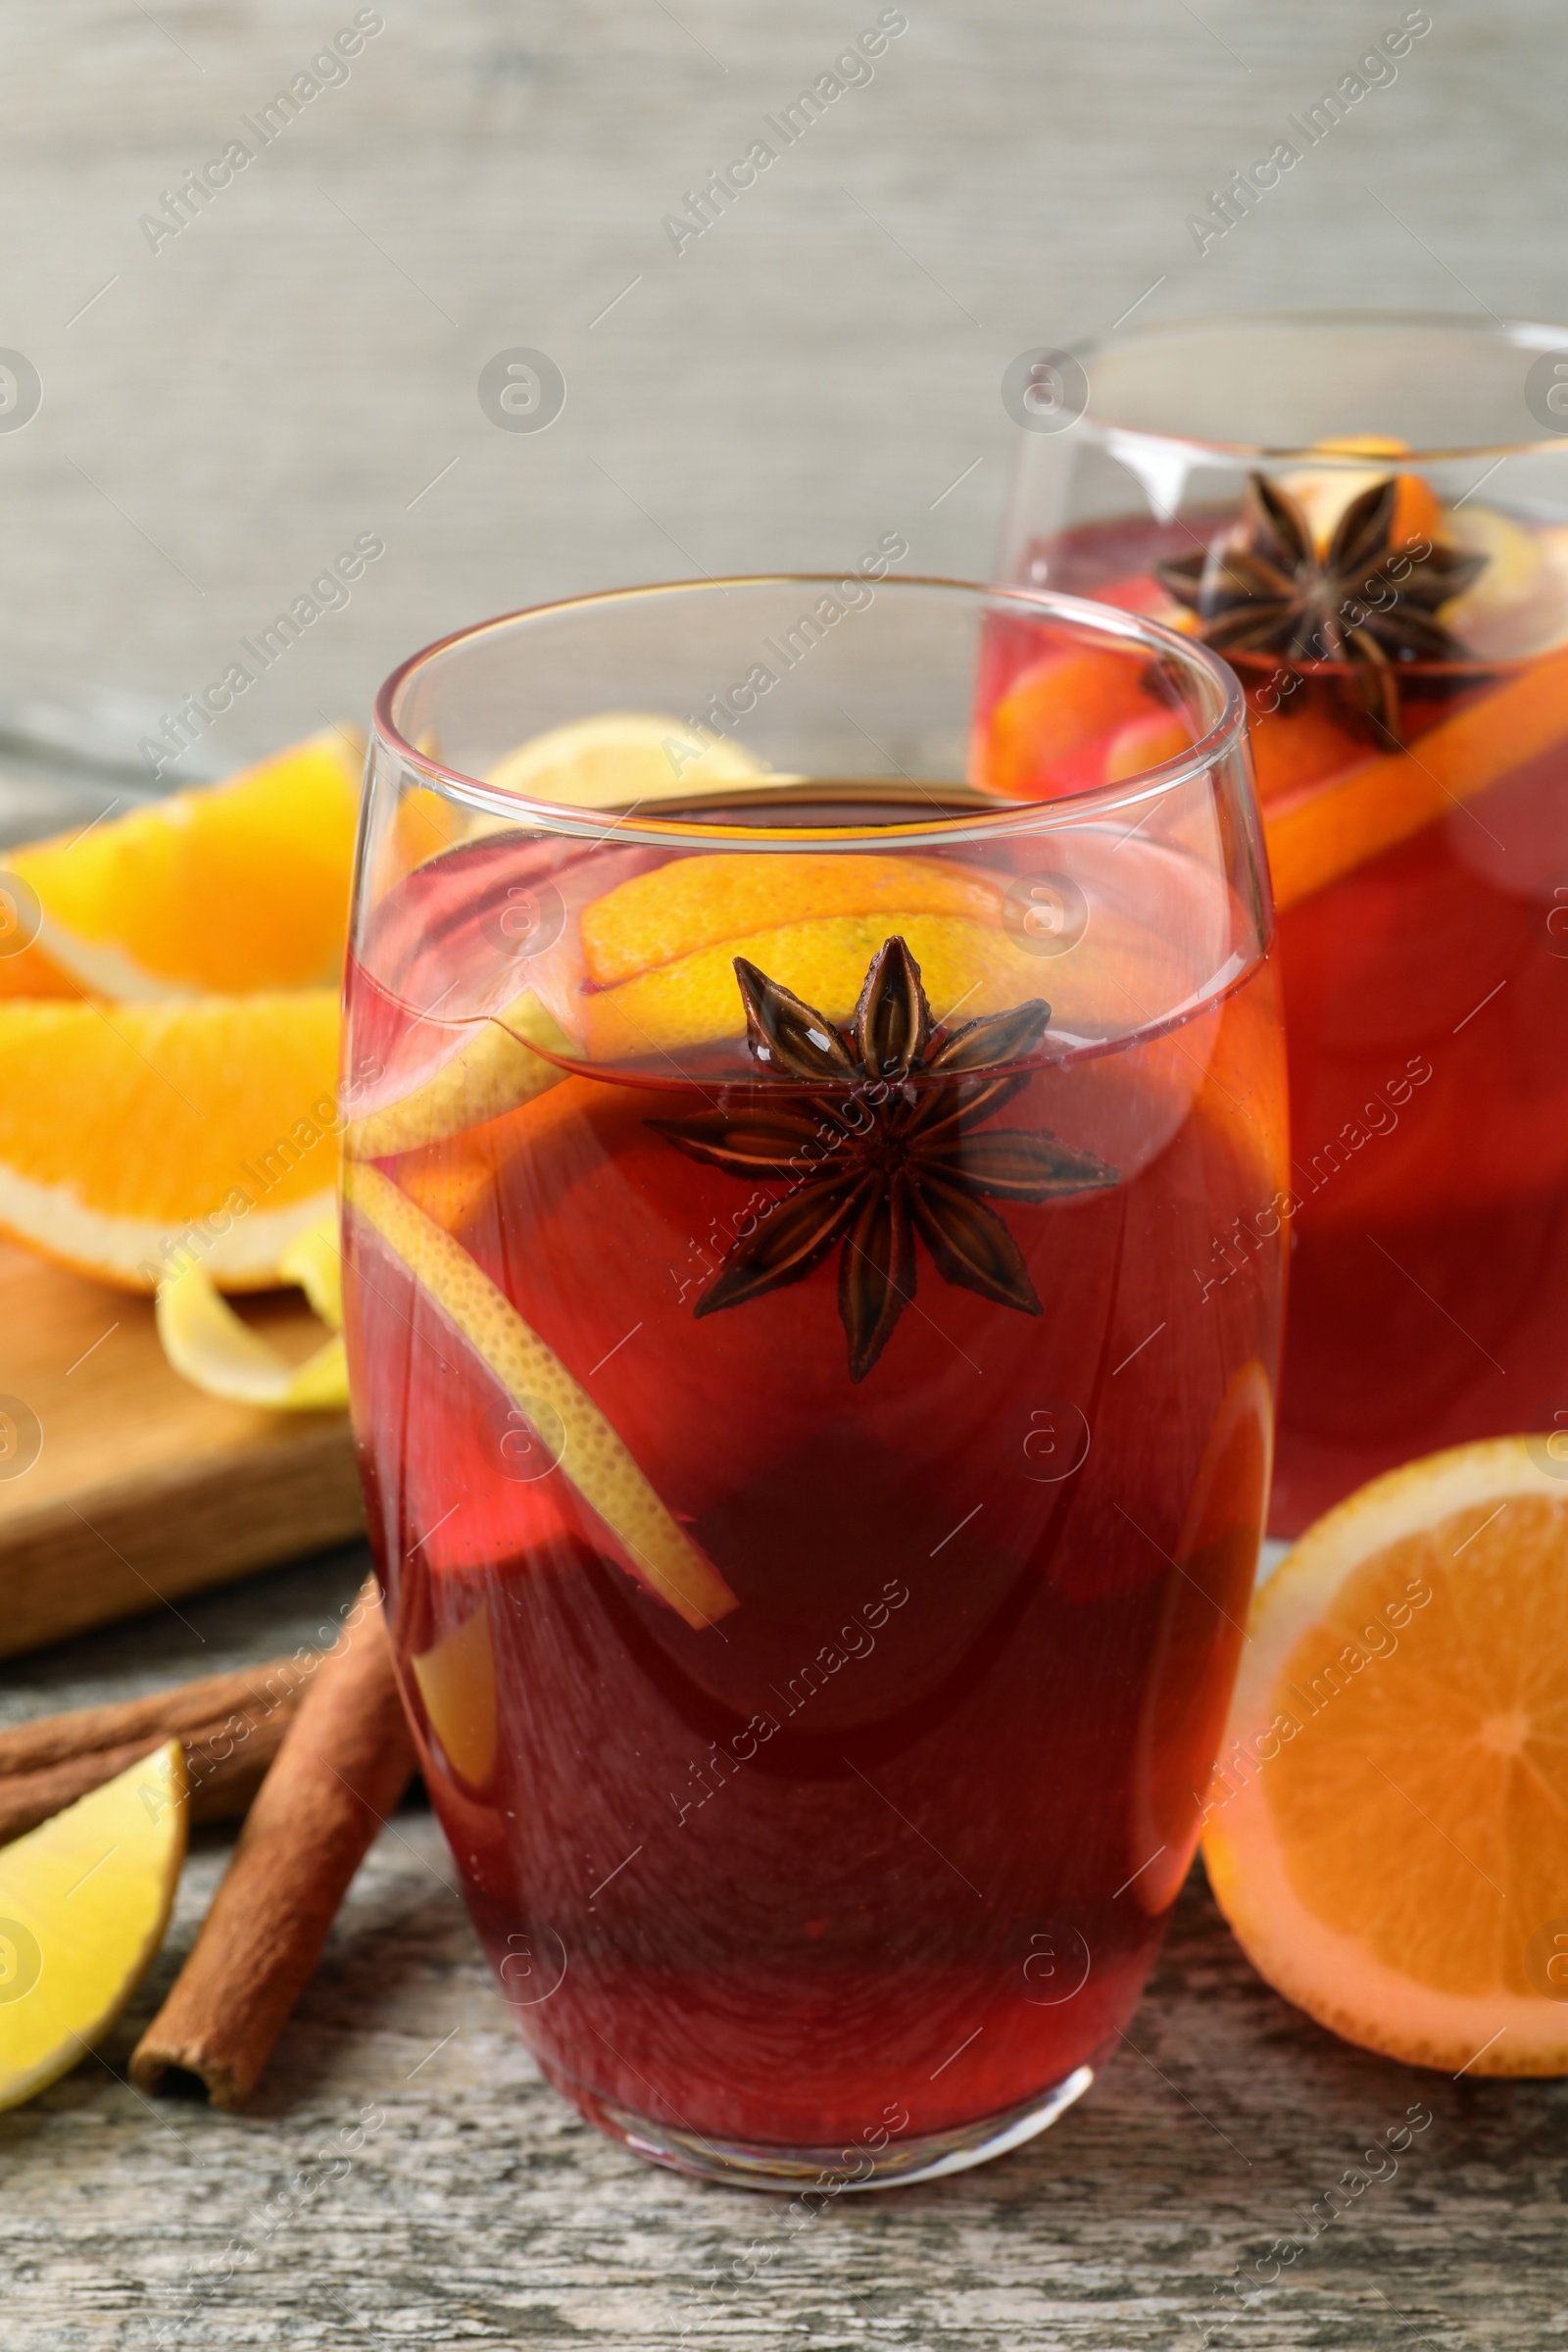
(890, 1152)
(1369, 601)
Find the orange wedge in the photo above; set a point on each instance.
(244, 885)
(1388, 1829)
(136, 1137)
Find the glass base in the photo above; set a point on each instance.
(831, 2171)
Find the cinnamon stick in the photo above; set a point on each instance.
(157, 1716)
(344, 1763)
(226, 1761)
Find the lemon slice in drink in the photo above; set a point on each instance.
(494, 1070)
(620, 760)
(591, 1455)
(84, 1899)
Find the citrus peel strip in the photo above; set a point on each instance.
(209, 1345)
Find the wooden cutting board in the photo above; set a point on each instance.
(121, 1487)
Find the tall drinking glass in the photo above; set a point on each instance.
(815, 1504)
(1368, 518)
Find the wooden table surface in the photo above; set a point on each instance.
(482, 2210)
(300, 364)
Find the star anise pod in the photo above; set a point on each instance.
(890, 1152)
(1369, 601)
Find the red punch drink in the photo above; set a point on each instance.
(1396, 610)
(1422, 886)
(816, 1501)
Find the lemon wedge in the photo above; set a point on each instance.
(209, 1345)
(84, 1899)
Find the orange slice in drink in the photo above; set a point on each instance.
(1388, 1829)
(134, 1137)
(1145, 743)
(457, 1680)
(1324, 492)
(661, 947)
(1321, 831)
(1298, 748)
(966, 968)
(1053, 711)
(696, 903)
(590, 1453)
(240, 886)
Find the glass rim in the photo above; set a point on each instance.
(1047, 815)
(1529, 334)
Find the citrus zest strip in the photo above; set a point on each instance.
(209, 1345)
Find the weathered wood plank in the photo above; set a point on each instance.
(483, 2211)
